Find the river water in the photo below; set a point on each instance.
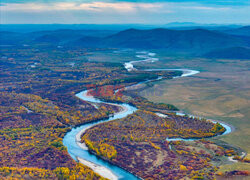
(72, 139)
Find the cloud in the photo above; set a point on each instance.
(206, 2)
(206, 8)
(92, 6)
(121, 11)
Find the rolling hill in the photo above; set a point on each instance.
(242, 31)
(194, 41)
(179, 40)
(230, 53)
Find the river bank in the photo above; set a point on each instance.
(79, 150)
(101, 170)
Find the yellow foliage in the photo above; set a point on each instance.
(183, 168)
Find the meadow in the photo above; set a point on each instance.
(221, 92)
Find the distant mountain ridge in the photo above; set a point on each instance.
(197, 39)
(194, 41)
(242, 31)
(230, 53)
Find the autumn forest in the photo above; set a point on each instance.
(38, 107)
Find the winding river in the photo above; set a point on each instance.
(79, 151)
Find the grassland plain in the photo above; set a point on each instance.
(221, 91)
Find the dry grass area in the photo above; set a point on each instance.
(221, 91)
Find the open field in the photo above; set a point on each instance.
(221, 91)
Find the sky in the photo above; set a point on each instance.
(124, 11)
